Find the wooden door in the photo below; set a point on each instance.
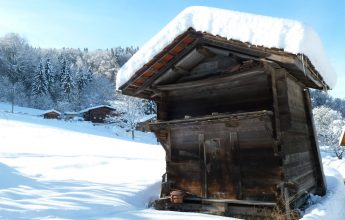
(220, 175)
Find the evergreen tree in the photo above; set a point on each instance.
(83, 79)
(49, 73)
(40, 82)
(67, 81)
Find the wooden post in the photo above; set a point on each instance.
(235, 150)
(277, 133)
(203, 171)
(287, 203)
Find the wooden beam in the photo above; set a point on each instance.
(215, 117)
(149, 81)
(237, 151)
(203, 177)
(209, 81)
(272, 81)
(285, 59)
(234, 201)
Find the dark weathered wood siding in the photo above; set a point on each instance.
(235, 121)
(269, 154)
(97, 115)
(51, 115)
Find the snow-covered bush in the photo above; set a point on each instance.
(329, 124)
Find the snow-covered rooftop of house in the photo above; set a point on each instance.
(98, 106)
(147, 117)
(71, 113)
(51, 110)
(292, 36)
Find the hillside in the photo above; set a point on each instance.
(54, 169)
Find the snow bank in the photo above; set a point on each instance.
(5, 107)
(290, 35)
(331, 206)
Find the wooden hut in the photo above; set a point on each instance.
(51, 114)
(98, 114)
(236, 123)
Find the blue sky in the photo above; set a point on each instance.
(109, 23)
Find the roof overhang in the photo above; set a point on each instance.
(191, 47)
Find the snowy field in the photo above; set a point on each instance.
(52, 169)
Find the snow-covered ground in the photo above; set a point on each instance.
(51, 169)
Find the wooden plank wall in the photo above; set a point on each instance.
(245, 95)
(243, 166)
(298, 158)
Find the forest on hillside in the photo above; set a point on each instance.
(64, 79)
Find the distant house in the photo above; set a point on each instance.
(143, 124)
(97, 114)
(51, 114)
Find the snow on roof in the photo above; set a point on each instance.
(147, 117)
(98, 106)
(51, 110)
(290, 35)
(71, 113)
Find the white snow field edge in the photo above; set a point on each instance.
(292, 36)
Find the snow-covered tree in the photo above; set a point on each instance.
(40, 81)
(149, 107)
(49, 72)
(14, 62)
(90, 80)
(132, 112)
(329, 125)
(67, 81)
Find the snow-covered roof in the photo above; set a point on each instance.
(289, 35)
(147, 117)
(51, 110)
(98, 106)
(71, 113)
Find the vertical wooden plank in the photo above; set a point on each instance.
(202, 161)
(205, 171)
(168, 146)
(162, 107)
(234, 152)
(287, 203)
(321, 188)
(277, 133)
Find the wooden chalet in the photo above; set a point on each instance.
(98, 114)
(51, 114)
(236, 123)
